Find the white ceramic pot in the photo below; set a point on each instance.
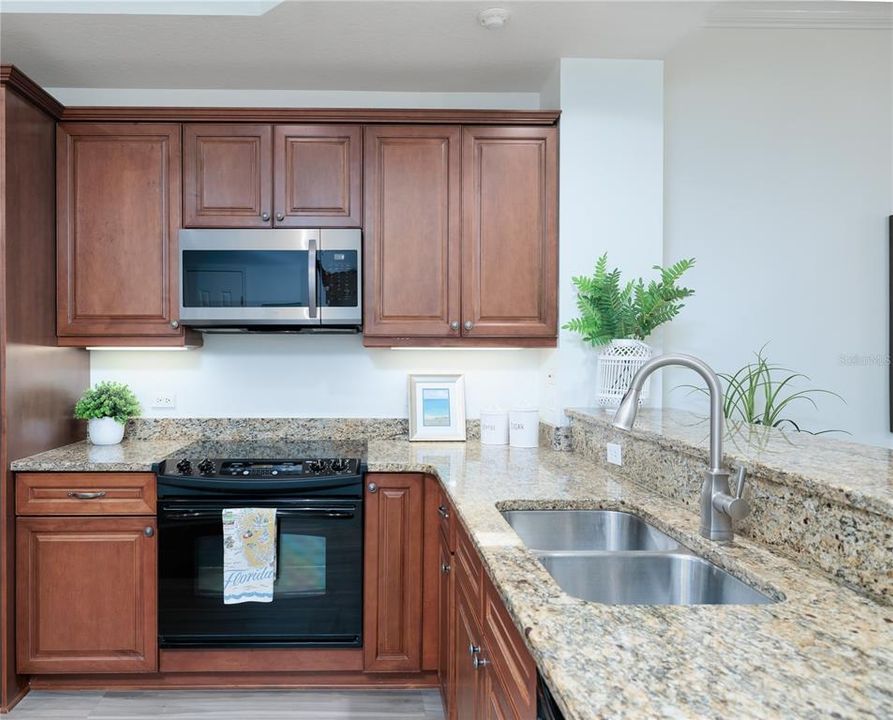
(524, 427)
(105, 431)
(618, 363)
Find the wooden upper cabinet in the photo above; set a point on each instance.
(510, 232)
(413, 231)
(118, 215)
(227, 176)
(392, 614)
(86, 595)
(318, 175)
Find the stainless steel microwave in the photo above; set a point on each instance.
(278, 279)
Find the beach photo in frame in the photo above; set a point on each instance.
(436, 407)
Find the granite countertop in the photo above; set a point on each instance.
(848, 472)
(822, 651)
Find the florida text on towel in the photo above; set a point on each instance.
(249, 554)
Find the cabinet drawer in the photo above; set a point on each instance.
(468, 570)
(446, 519)
(85, 493)
(511, 662)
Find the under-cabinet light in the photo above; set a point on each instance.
(461, 349)
(130, 348)
(251, 8)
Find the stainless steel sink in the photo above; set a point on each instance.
(616, 558)
(586, 530)
(641, 578)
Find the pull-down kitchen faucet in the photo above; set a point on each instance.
(719, 508)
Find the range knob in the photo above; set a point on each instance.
(340, 465)
(313, 465)
(184, 467)
(206, 467)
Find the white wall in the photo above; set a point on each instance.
(778, 180)
(611, 180)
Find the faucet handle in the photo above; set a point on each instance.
(740, 478)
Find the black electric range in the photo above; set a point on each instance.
(317, 491)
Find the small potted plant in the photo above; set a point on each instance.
(107, 408)
(620, 316)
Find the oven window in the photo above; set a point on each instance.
(300, 566)
(245, 278)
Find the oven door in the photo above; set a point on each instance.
(318, 591)
(249, 277)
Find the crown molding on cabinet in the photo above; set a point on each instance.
(310, 115)
(802, 16)
(13, 78)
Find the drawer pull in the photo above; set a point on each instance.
(443, 512)
(87, 495)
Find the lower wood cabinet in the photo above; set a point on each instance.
(86, 595)
(393, 583)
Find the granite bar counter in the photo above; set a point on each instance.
(822, 650)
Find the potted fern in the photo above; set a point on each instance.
(107, 408)
(619, 316)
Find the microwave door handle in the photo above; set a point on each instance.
(311, 278)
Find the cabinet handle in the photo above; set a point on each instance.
(87, 495)
(468, 325)
(454, 325)
(372, 487)
(175, 324)
(280, 216)
(474, 649)
(149, 531)
(478, 662)
(265, 216)
(445, 568)
(443, 512)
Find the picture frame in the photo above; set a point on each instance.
(436, 407)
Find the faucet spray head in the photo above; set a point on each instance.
(625, 415)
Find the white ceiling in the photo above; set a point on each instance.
(306, 45)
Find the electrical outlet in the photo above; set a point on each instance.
(164, 401)
(550, 377)
(615, 454)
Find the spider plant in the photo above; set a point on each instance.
(763, 393)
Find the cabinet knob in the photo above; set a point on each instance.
(280, 216)
(454, 325)
(478, 662)
(468, 325)
(474, 649)
(372, 487)
(445, 568)
(443, 512)
(265, 216)
(149, 531)
(175, 324)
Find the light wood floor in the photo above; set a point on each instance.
(227, 705)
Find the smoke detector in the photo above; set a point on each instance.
(493, 18)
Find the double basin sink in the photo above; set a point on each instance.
(616, 558)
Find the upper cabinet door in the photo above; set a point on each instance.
(227, 176)
(413, 232)
(510, 232)
(118, 202)
(318, 175)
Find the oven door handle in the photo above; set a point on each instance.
(195, 514)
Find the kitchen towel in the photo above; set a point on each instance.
(249, 554)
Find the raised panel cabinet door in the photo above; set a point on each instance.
(227, 176)
(467, 679)
(392, 614)
(318, 175)
(118, 215)
(86, 595)
(446, 626)
(510, 232)
(413, 233)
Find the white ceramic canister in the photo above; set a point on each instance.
(524, 427)
(494, 427)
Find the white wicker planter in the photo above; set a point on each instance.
(617, 364)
